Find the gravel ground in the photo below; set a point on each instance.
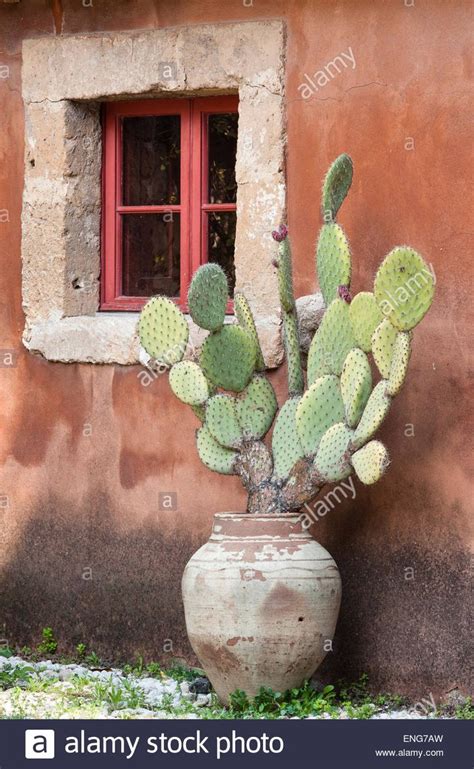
(52, 690)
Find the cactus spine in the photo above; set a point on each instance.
(324, 433)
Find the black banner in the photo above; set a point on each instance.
(197, 743)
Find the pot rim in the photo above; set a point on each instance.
(259, 516)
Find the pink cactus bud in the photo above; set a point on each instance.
(344, 293)
(280, 234)
(275, 263)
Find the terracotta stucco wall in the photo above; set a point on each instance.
(87, 450)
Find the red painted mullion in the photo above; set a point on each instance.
(109, 224)
(185, 200)
(196, 188)
(219, 207)
(204, 201)
(118, 202)
(149, 209)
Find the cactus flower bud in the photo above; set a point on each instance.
(280, 234)
(344, 293)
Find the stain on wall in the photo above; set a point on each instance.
(87, 451)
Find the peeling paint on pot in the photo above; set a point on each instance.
(261, 601)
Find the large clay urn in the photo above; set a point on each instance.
(261, 600)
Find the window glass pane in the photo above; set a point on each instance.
(221, 239)
(151, 160)
(150, 254)
(222, 137)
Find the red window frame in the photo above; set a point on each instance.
(193, 208)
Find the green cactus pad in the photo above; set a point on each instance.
(365, 316)
(293, 354)
(207, 296)
(374, 414)
(244, 315)
(332, 460)
(356, 385)
(213, 455)
(370, 462)
(163, 330)
(200, 411)
(221, 419)
(331, 342)
(228, 358)
(189, 383)
(383, 343)
(320, 407)
(256, 408)
(336, 186)
(286, 445)
(285, 276)
(404, 287)
(333, 260)
(400, 360)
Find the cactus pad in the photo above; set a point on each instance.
(333, 259)
(356, 385)
(256, 408)
(383, 343)
(244, 315)
(285, 276)
(200, 412)
(370, 462)
(331, 342)
(189, 383)
(213, 455)
(336, 186)
(400, 360)
(163, 330)
(221, 419)
(374, 414)
(365, 316)
(320, 407)
(286, 445)
(332, 459)
(404, 287)
(293, 354)
(207, 296)
(228, 358)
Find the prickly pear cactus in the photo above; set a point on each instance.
(256, 407)
(228, 358)
(325, 432)
(336, 186)
(332, 342)
(320, 407)
(163, 330)
(365, 316)
(189, 383)
(333, 258)
(221, 419)
(207, 297)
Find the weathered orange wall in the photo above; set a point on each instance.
(86, 450)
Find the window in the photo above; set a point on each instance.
(169, 194)
(63, 284)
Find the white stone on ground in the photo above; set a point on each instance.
(157, 694)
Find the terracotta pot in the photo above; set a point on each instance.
(261, 598)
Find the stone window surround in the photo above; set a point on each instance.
(64, 80)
